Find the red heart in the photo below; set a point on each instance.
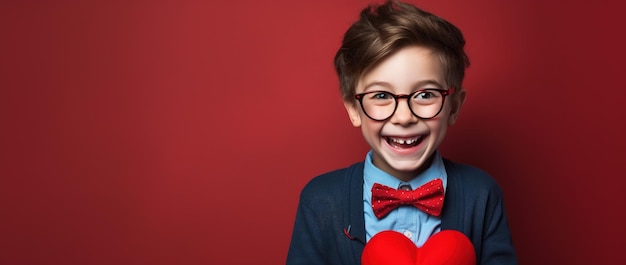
(448, 247)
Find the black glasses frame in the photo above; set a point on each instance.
(443, 92)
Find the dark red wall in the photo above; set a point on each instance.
(181, 132)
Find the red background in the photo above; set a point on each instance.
(181, 132)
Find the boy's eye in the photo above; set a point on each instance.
(425, 95)
(381, 95)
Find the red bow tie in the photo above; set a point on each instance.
(428, 198)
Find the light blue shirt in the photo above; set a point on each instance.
(408, 220)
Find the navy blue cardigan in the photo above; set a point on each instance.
(334, 201)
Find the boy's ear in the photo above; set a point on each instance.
(353, 113)
(457, 102)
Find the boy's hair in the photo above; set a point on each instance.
(386, 28)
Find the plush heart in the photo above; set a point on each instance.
(448, 247)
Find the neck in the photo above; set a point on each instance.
(406, 176)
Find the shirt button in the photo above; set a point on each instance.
(408, 233)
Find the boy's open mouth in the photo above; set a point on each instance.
(403, 142)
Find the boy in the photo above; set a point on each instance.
(400, 70)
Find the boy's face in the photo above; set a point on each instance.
(409, 69)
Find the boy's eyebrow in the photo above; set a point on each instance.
(378, 83)
(418, 84)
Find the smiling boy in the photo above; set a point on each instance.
(400, 70)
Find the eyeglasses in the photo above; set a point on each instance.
(424, 104)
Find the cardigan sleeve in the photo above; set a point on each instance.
(306, 244)
(497, 242)
(317, 229)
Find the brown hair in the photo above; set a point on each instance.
(386, 28)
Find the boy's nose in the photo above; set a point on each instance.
(403, 114)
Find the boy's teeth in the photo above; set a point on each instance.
(404, 141)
